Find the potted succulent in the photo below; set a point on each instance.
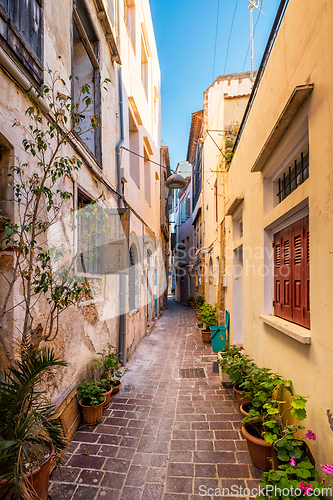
(111, 375)
(91, 401)
(30, 433)
(191, 302)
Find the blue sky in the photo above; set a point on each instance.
(185, 37)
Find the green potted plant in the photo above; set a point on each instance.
(238, 366)
(224, 358)
(296, 478)
(30, 432)
(91, 394)
(208, 315)
(269, 429)
(111, 375)
(199, 301)
(261, 386)
(191, 302)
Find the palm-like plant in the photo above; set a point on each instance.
(26, 418)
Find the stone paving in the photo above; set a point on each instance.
(163, 436)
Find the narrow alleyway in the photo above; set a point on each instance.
(163, 436)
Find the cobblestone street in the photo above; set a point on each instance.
(163, 436)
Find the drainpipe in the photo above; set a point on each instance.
(122, 277)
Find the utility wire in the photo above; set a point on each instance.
(232, 24)
(217, 25)
(145, 158)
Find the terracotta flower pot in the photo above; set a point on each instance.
(240, 398)
(116, 387)
(90, 414)
(260, 451)
(39, 478)
(243, 410)
(107, 396)
(205, 335)
(191, 305)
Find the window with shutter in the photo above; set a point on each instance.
(291, 273)
(21, 26)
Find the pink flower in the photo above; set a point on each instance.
(292, 461)
(328, 469)
(306, 487)
(310, 435)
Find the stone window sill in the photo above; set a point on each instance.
(296, 332)
(134, 311)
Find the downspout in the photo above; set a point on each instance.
(122, 277)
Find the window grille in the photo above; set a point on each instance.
(294, 177)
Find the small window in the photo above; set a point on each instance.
(21, 27)
(144, 66)
(134, 159)
(291, 273)
(293, 176)
(90, 236)
(133, 279)
(147, 173)
(129, 19)
(86, 68)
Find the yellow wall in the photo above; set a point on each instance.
(300, 56)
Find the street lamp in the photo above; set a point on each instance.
(175, 181)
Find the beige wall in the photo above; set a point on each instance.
(224, 104)
(299, 57)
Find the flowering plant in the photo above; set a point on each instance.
(296, 479)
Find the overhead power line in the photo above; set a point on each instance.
(217, 25)
(232, 25)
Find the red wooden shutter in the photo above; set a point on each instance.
(277, 276)
(298, 272)
(286, 274)
(306, 272)
(282, 275)
(291, 273)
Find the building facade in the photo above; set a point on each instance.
(280, 214)
(96, 41)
